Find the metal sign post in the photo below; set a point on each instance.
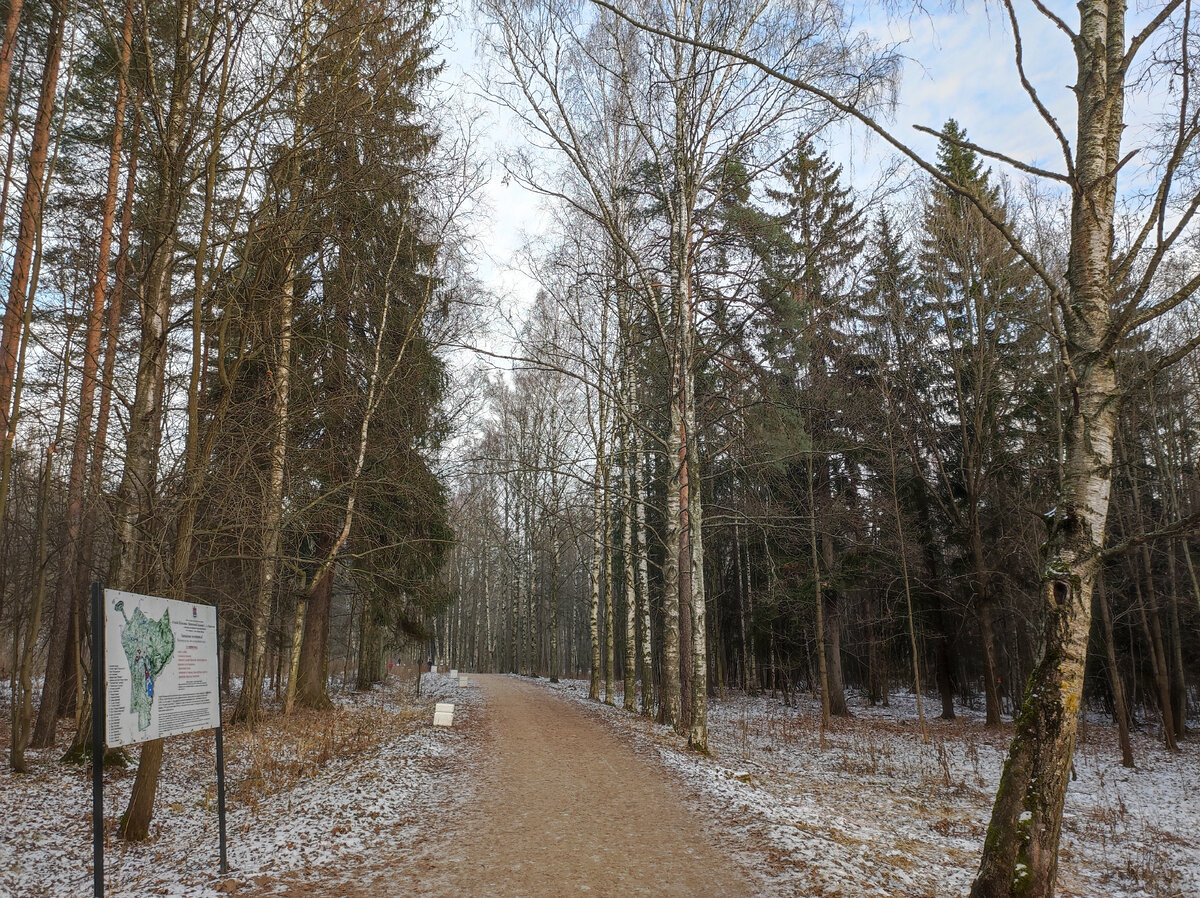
(220, 756)
(98, 724)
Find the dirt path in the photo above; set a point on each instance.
(559, 807)
(568, 809)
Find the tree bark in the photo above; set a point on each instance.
(987, 630)
(8, 51)
(249, 702)
(1020, 855)
(135, 501)
(1120, 706)
(818, 601)
(31, 208)
(597, 561)
(686, 588)
(669, 697)
(698, 729)
(627, 565)
(1152, 630)
(610, 593)
(289, 696)
(15, 317)
(313, 676)
(23, 704)
(643, 576)
(1178, 676)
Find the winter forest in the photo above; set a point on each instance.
(874, 436)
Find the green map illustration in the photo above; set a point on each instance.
(149, 645)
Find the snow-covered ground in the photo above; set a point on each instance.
(307, 797)
(877, 812)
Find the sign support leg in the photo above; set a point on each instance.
(221, 800)
(98, 725)
(220, 757)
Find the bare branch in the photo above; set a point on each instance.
(1008, 160)
(1033, 94)
(1186, 526)
(869, 121)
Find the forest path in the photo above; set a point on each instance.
(565, 808)
(557, 806)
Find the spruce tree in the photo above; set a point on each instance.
(974, 289)
(811, 335)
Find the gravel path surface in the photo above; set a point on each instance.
(561, 807)
(568, 809)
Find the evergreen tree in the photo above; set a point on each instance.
(975, 293)
(811, 337)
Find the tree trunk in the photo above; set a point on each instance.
(1020, 855)
(1178, 676)
(610, 593)
(7, 51)
(669, 698)
(250, 700)
(23, 705)
(313, 676)
(135, 502)
(369, 651)
(698, 729)
(226, 652)
(1152, 630)
(742, 596)
(289, 696)
(627, 564)
(31, 217)
(555, 566)
(983, 611)
(136, 822)
(686, 591)
(71, 580)
(1120, 707)
(643, 576)
(818, 602)
(832, 625)
(597, 560)
(19, 287)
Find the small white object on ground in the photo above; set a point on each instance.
(464, 680)
(443, 715)
(433, 668)
(454, 673)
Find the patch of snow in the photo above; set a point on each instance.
(291, 813)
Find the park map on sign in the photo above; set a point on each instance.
(149, 645)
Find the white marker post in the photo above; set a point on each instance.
(443, 715)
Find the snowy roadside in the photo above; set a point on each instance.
(878, 813)
(309, 799)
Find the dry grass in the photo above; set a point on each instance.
(280, 752)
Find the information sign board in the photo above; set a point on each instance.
(161, 671)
